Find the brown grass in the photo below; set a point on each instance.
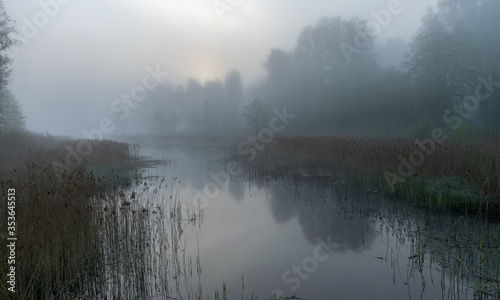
(88, 236)
(477, 165)
(58, 240)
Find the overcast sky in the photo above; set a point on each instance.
(74, 63)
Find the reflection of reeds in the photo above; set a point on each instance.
(467, 253)
(456, 175)
(142, 240)
(465, 250)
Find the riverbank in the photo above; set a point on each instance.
(54, 218)
(99, 243)
(433, 173)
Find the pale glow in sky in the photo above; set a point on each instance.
(90, 52)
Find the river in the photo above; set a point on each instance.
(313, 237)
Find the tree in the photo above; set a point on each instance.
(213, 104)
(279, 66)
(234, 96)
(255, 115)
(194, 97)
(233, 87)
(6, 29)
(486, 35)
(459, 13)
(474, 22)
(11, 116)
(280, 87)
(333, 60)
(438, 65)
(322, 49)
(164, 122)
(488, 42)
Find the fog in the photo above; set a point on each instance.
(68, 70)
(341, 141)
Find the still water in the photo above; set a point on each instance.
(315, 237)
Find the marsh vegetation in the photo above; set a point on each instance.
(134, 232)
(453, 175)
(349, 159)
(100, 231)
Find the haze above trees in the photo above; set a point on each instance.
(335, 86)
(338, 82)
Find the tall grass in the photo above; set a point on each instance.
(87, 235)
(192, 140)
(468, 252)
(457, 175)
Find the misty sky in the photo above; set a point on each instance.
(90, 52)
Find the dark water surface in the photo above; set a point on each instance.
(315, 237)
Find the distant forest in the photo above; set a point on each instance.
(335, 83)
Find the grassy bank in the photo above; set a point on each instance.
(448, 175)
(59, 247)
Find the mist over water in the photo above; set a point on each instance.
(228, 149)
(314, 237)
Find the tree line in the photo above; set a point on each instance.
(449, 78)
(11, 116)
(334, 90)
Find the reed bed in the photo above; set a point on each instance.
(18, 149)
(456, 175)
(86, 235)
(467, 253)
(80, 240)
(190, 139)
(464, 177)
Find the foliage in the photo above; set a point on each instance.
(255, 115)
(6, 42)
(11, 117)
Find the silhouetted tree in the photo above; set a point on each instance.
(6, 42)
(255, 115)
(234, 97)
(473, 25)
(437, 68)
(233, 86)
(194, 97)
(213, 105)
(333, 60)
(279, 66)
(487, 39)
(11, 116)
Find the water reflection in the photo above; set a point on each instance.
(236, 190)
(317, 205)
(261, 231)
